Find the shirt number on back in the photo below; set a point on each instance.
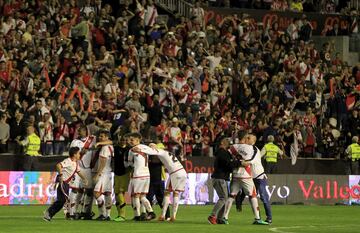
(173, 157)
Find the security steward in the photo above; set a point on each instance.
(271, 152)
(31, 145)
(353, 155)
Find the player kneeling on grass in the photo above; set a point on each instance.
(176, 182)
(66, 175)
(101, 166)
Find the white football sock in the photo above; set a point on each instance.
(166, 203)
(175, 205)
(255, 207)
(146, 204)
(137, 206)
(108, 204)
(72, 197)
(228, 205)
(101, 205)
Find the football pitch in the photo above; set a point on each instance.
(286, 219)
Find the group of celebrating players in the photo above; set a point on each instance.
(86, 175)
(87, 172)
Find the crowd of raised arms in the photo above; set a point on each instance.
(63, 64)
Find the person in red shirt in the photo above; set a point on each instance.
(4, 75)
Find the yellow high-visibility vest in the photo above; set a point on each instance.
(272, 151)
(33, 146)
(355, 151)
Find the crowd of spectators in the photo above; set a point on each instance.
(322, 6)
(64, 64)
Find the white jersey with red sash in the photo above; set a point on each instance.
(106, 152)
(68, 170)
(85, 143)
(140, 160)
(244, 152)
(150, 15)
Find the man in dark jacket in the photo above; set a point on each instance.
(223, 166)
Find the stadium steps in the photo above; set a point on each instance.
(175, 6)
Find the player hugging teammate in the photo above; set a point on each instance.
(91, 178)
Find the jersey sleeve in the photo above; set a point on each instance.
(150, 151)
(75, 143)
(243, 151)
(105, 152)
(130, 160)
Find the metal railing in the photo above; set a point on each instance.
(181, 6)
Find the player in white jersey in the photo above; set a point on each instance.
(101, 167)
(66, 176)
(176, 182)
(140, 179)
(242, 179)
(80, 192)
(260, 178)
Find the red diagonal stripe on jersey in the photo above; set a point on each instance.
(248, 169)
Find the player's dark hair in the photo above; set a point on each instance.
(134, 135)
(241, 134)
(105, 132)
(73, 151)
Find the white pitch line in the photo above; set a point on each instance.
(279, 229)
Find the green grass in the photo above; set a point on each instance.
(287, 219)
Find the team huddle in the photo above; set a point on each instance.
(87, 172)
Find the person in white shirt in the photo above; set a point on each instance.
(260, 180)
(66, 176)
(80, 191)
(176, 182)
(140, 178)
(101, 167)
(242, 178)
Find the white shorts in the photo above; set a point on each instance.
(104, 183)
(247, 185)
(140, 185)
(88, 174)
(79, 183)
(177, 181)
